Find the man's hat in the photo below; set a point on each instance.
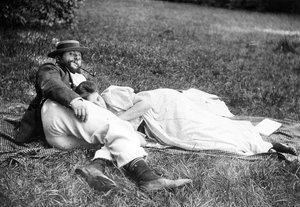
(67, 45)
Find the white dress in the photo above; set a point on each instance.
(177, 120)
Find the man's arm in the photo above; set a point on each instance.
(54, 83)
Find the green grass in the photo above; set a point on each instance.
(247, 58)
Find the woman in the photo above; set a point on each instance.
(175, 119)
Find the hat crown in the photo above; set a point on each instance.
(67, 44)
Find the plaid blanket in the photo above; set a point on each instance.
(10, 151)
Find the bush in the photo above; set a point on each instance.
(39, 13)
(287, 6)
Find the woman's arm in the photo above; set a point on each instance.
(141, 105)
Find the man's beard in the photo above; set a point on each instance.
(71, 68)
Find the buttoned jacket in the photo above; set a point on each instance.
(53, 82)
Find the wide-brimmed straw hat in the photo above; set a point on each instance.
(67, 45)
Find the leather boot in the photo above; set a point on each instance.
(284, 148)
(148, 180)
(94, 175)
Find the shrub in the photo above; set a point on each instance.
(39, 13)
(284, 45)
(287, 6)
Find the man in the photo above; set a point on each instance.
(68, 121)
(57, 82)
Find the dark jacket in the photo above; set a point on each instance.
(52, 82)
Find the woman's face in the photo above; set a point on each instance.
(96, 99)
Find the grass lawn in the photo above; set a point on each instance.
(249, 59)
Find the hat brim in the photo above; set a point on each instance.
(62, 50)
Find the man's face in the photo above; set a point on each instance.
(73, 60)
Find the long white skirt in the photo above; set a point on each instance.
(178, 121)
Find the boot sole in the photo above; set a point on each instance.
(99, 182)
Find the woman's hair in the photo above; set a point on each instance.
(86, 88)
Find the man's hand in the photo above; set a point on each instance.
(80, 109)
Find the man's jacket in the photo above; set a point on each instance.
(52, 82)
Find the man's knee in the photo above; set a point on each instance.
(68, 143)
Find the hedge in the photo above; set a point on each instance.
(39, 12)
(285, 6)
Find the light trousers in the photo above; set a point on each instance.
(63, 130)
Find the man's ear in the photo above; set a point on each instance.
(58, 59)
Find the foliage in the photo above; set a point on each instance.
(287, 6)
(39, 13)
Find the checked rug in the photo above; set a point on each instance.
(10, 151)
